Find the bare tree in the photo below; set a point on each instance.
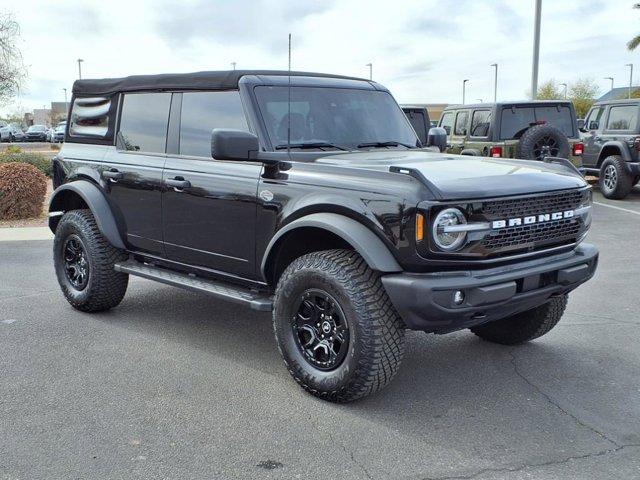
(12, 70)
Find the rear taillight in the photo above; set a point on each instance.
(578, 149)
(495, 152)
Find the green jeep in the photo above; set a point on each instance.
(527, 130)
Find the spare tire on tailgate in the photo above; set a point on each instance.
(542, 141)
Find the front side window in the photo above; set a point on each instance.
(204, 111)
(340, 118)
(143, 123)
(623, 118)
(446, 122)
(593, 119)
(461, 123)
(480, 123)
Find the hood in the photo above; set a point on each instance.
(456, 177)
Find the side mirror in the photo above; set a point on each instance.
(581, 124)
(593, 125)
(233, 144)
(437, 138)
(447, 130)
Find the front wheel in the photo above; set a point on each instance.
(84, 262)
(338, 333)
(525, 326)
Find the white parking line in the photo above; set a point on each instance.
(616, 208)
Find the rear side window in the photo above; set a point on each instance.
(204, 111)
(624, 117)
(446, 122)
(90, 117)
(143, 123)
(480, 123)
(515, 120)
(461, 123)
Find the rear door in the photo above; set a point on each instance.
(132, 173)
(209, 221)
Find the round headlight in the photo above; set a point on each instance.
(449, 241)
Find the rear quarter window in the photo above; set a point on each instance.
(92, 118)
(624, 117)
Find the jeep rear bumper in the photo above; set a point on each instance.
(425, 301)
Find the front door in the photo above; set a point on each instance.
(460, 132)
(209, 205)
(594, 125)
(132, 172)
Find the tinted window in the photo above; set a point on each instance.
(593, 119)
(480, 123)
(90, 117)
(418, 122)
(204, 111)
(623, 118)
(341, 116)
(516, 120)
(461, 123)
(446, 121)
(143, 124)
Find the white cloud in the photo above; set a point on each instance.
(420, 49)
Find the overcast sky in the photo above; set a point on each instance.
(420, 49)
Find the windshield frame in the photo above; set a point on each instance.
(269, 144)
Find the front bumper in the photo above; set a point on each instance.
(425, 301)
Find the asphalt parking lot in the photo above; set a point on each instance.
(175, 385)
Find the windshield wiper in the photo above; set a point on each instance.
(384, 144)
(304, 145)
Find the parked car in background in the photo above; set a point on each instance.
(11, 133)
(528, 130)
(611, 136)
(49, 134)
(37, 133)
(58, 133)
(419, 118)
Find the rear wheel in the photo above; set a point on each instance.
(84, 262)
(338, 333)
(614, 181)
(524, 326)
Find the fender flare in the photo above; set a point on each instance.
(370, 247)
(623, 151)
(474, 152)
(97, 203)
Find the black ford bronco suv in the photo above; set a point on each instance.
(611, 136)
(527, 130)
(310, 196)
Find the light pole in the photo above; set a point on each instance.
(464, 89)
(565, 89)
(495, 83)
(66, 106)
(630, 65)
(80, 68)
(536, 50)
(233, 64)
(370, 65)
(609, 78)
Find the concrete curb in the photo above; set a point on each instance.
(25, 234)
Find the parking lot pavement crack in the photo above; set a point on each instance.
(525, 466)
(551, 401)
(342, 447)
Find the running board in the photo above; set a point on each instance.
(225, 291)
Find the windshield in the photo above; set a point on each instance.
(36, 128)
(515, 120)
(333, 118)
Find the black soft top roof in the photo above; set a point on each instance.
(217, 80)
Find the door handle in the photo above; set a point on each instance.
(113, 175)
(178, 183)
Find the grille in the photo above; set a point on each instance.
(521, 207)
(558, 231)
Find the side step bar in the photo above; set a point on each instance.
(255, 300)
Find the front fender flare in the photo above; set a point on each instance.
(97, 203)
(370, 247)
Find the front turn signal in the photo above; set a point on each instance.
(419, 227)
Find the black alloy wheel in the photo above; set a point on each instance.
(547, 146)
(76, 264)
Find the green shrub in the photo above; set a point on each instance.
(22, 191)
(38, 160)
(13, 149)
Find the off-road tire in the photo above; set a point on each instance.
(527, 144)
(621, 185)
(635, 181)
(105, 287)
(377, 333)
(525, 326)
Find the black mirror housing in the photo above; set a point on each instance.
(437, 137)
(229, 144)
(580, 123)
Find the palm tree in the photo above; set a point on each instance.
(635, 41)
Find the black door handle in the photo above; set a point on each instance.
(178, 183)
(113, 174)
